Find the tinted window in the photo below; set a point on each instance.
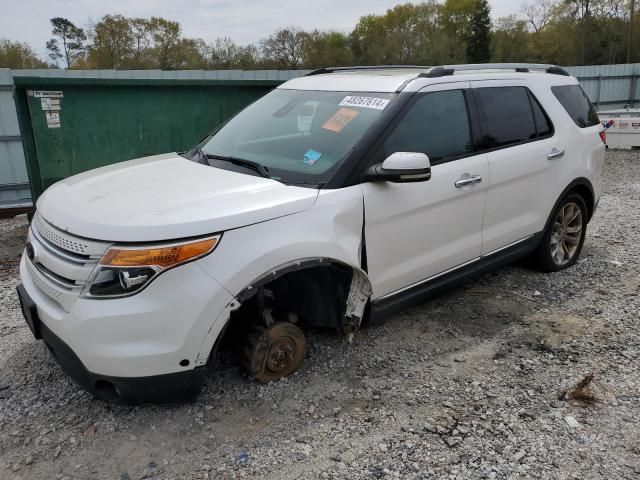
(543, 124)
(506, 115)
(437, 125)
(577, 105)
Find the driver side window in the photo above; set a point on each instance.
(437, 125)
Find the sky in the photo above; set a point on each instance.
(245, 21)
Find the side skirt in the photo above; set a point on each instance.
(387, 306)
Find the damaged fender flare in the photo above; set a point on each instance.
(359, 290)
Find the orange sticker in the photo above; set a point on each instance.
(340, 119)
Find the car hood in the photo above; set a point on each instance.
(166, 197)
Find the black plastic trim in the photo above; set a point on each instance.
(383, 308)
(323, 70)
(558, 71)
(437, 72)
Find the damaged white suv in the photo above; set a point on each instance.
(339, 197)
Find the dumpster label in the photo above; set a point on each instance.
(50, 103)
(53, 119)
(635, 125)
(366, 102)
(47, 93)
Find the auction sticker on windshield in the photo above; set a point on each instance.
(340, 119)
(366, 102)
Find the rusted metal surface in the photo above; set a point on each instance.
(274, 352)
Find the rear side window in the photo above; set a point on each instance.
(437, 125)
(577, 105)
(506, 116)
(543, 124)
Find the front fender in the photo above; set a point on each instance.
(331, 229)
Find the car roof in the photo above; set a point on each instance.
(389, 79)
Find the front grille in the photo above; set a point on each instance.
(62, 241)
(61, 262)
(42, 284)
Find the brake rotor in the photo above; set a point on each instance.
(275, 352)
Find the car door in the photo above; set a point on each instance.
(523, 153)
(414, 231)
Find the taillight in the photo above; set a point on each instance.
(603, 136)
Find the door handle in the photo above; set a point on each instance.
(555, 154)
(463, 182)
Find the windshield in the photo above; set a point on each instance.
(300, 136)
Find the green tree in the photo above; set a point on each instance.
(479, 39)
(190, 54)
(510, 40)
(468, 23)
(71, 37)
(141, 31)
(166, 38)
(405, 34)
(112, 42)
(323, 49)
(284, 48)
(18, 55)
(225, 53)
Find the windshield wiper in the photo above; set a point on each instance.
(250, 164)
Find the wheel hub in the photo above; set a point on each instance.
(275, 352)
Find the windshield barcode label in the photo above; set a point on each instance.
(366, 102)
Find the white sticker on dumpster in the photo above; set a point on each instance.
(50, 103)
(365, 102)
(47, 93)
(53, 119)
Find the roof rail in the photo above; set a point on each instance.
(518, 67)
(363, 67)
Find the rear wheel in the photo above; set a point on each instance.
(563, 239)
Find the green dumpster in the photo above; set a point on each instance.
(73, 121)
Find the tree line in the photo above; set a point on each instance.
(566, 32)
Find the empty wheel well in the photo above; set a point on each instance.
(315, 292)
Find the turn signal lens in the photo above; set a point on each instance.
(123, 272)
(162, 257)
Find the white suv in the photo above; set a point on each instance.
(343, 195)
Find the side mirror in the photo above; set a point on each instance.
(401, 167)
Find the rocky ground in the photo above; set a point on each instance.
(469, 385)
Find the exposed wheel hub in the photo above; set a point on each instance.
(275, 352)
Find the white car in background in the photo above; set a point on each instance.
(341, 196)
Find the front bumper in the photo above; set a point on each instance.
(150, 347)
(172, 387)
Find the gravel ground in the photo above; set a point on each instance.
(468, 385)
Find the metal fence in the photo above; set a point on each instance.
(14, 181)
(610, 86)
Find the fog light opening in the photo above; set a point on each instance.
(106, 390)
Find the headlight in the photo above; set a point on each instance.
(123, 271)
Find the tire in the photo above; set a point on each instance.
(564, 236)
